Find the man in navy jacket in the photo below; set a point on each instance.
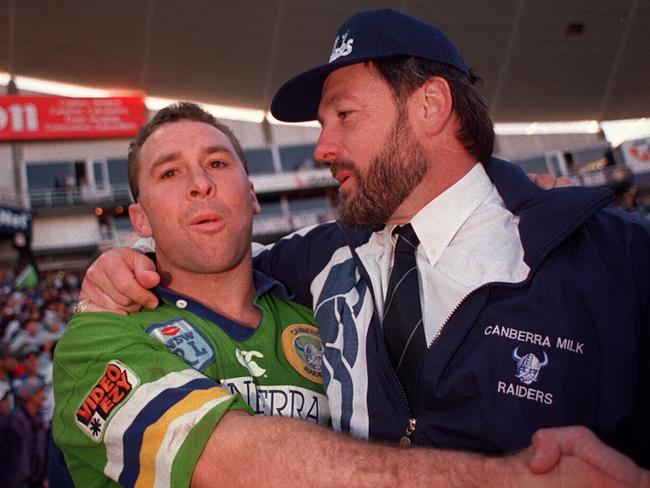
(535, 304)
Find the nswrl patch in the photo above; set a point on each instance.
(105, 398)
(185, 340)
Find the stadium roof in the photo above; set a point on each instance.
(541, 60)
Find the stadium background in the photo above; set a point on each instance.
(543, 62)
(566, 81)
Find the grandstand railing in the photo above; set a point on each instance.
(268, 183)
(293, 180)
(58, 197)
(282, 223)
(9, 197)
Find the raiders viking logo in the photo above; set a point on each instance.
(304, 351)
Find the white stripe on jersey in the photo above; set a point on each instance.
(121, 421)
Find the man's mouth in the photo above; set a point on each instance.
(343, 176)
(207, 222)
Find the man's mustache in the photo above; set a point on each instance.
(343, 165)
(201, 208)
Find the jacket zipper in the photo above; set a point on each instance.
(405, 440)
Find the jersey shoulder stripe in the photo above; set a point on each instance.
(148, 403)
(158, 407)
(163, 440)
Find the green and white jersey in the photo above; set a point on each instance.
(128, 412)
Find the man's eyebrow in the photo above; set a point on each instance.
(166, 158)
(334, 99)
(328, 102)
(217, 149)
(331, 100)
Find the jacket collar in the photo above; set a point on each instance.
(546, 217)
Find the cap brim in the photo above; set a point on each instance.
(298, 99)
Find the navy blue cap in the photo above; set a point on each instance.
(364, 36)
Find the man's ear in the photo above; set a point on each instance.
(436, 104)
(139, 220)
(256, 205)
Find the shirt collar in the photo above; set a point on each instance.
(263, 284)
(437, 223)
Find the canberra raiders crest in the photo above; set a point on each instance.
(304, 351)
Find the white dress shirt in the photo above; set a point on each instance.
(467, 238)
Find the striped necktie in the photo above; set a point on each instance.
(403, 327)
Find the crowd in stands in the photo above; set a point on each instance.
(32, 319)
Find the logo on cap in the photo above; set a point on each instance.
(343, 49)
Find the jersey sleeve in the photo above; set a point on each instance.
(129, 410)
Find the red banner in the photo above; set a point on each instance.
(45, 118)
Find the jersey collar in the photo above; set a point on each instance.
(263, 284)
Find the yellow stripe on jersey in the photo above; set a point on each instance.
(156, 455)
(145, 393)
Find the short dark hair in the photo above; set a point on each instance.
(169, 114)
(404, 74)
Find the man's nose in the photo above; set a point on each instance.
(202, 184)
(328, 147)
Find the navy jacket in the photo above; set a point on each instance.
(569, 345)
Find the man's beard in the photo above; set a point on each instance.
(390, 178)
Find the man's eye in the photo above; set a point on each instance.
(343, 114)
(168, 173)
(217, 163)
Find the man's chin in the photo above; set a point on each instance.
(359, 222)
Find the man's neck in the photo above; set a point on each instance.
(437, 180)
(230, 293)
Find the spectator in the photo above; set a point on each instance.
(6, 405)
(31, 359)
(8, 366)
(45, 372)
(632, 203)
(31, 320)
(7, 316)
(23, 439)
(26, 337)
(33, 334)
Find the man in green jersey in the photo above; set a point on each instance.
(149, 399)
(127, 409)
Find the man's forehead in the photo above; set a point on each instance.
(185, 135)
(344, 81)
(356, 83)
(180, 128)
